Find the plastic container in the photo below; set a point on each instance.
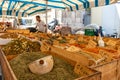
(89, 32)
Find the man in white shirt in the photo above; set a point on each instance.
(40, 25)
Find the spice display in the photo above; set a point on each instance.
(63, 40)
(9, 35)
(94, 50)
(10, 57)
(20, 45)
(73, 49)
(61, 69)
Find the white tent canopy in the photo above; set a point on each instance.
(29, 7)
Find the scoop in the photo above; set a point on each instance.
(42, 66)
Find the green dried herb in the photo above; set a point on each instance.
(61, 70)
(63, 41)
(21, 45)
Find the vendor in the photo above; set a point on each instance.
(100, 31)
(40, 25)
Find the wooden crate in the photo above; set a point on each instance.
(6, 69)
(75, 58)
(118, 70)
(9, 74)
(110, 70)
(23, 31)
(95, 76)
(70, 56)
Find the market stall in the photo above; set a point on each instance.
(42, 56)
(83, 54)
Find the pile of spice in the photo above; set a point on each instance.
(61, 70)
(9, 35)
(20, 45)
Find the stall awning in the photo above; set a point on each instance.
(29, 7)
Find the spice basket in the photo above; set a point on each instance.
(9, 74)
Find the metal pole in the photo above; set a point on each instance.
(46, 14)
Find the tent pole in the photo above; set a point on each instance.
(46, 14)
